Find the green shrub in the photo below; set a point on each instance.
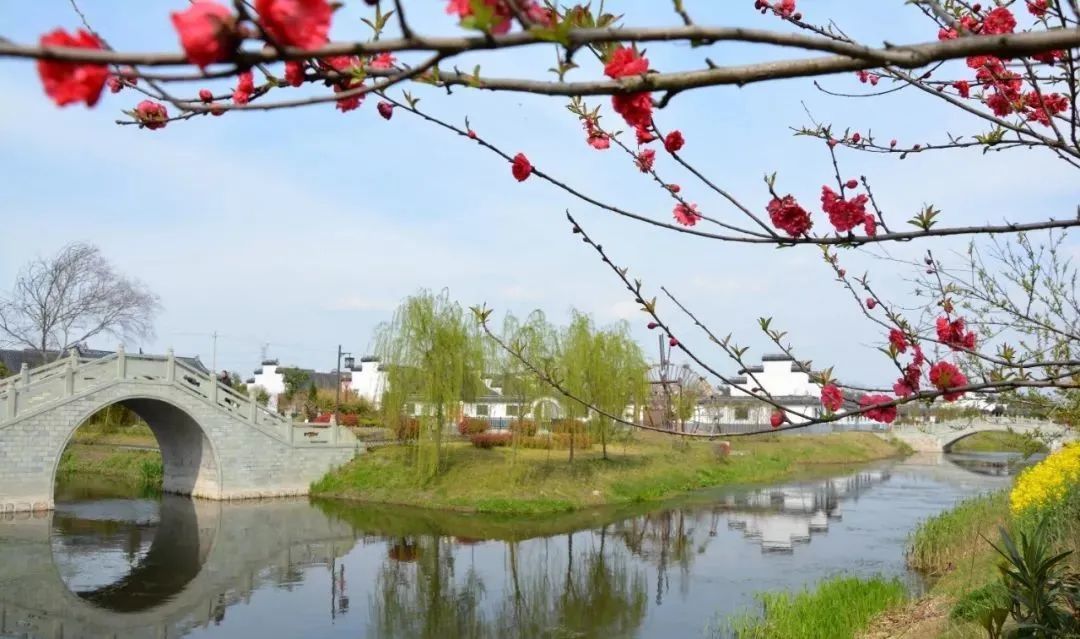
(1043, 597)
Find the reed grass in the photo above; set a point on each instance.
(840, 607)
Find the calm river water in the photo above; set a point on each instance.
(108, 563)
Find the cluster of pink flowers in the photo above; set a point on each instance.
(954, 334)
(877, 409)
(1004, 89)
(686, 214)
(635, 108)
(245, 86)
(644, 160)
(520, 167)
(788, 216)
(207, 32)
(898, 341)
(945, 376)
(595, 138)
(782, 8)
(151, 115)
(67, 83)
(865, 76)
(846, 214)
(831, 397)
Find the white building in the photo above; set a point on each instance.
(368, 379)
(270, 376)
(270, 380)
(779, 376)
(785, 380)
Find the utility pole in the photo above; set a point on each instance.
(337, 389)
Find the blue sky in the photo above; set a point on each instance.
(303, 229)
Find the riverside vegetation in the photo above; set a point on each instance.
(533, 481)
(1002, 564)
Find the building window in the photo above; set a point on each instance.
(483, 410)
(742, 412)
(410, 409)
(513, 410)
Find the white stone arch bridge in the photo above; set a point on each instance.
(940, 437)
(215, 443)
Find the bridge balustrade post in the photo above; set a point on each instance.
(254, 410)
(121, 362)
(69, 378)
(170, 366)
(12, 398)
(211, 392)
(24, 374)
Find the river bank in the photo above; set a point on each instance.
(532, 482)
(116, 461)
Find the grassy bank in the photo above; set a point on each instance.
(998, 442)
(105, 434)
(837, 608)
(528, 481)
(137, 466)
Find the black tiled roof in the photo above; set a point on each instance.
(776, 357)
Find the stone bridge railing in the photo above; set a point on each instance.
(40, 389)
(939, 436)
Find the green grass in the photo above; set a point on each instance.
(134, 435)
(534, 482)
(998, 442)
(837, 608)
(952, 540)
(139, 466)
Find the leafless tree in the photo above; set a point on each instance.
(70, 298)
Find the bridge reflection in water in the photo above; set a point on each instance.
(170, 567)
(141, 568)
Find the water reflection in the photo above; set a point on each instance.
(995, 464)
(169, 567)
(129, 560)
(582, 592)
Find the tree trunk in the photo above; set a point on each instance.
(603, 437)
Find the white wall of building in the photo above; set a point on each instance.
(272, 381)
(368, 381)
(778, 378)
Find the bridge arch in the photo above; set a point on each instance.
(948, 440)
(189, 458)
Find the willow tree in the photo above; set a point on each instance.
(534, 338)
(436, 359)
(605, 368)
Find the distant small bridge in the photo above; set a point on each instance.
(215, 443)
(939, 437)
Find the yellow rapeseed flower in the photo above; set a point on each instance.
(1047, 482)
